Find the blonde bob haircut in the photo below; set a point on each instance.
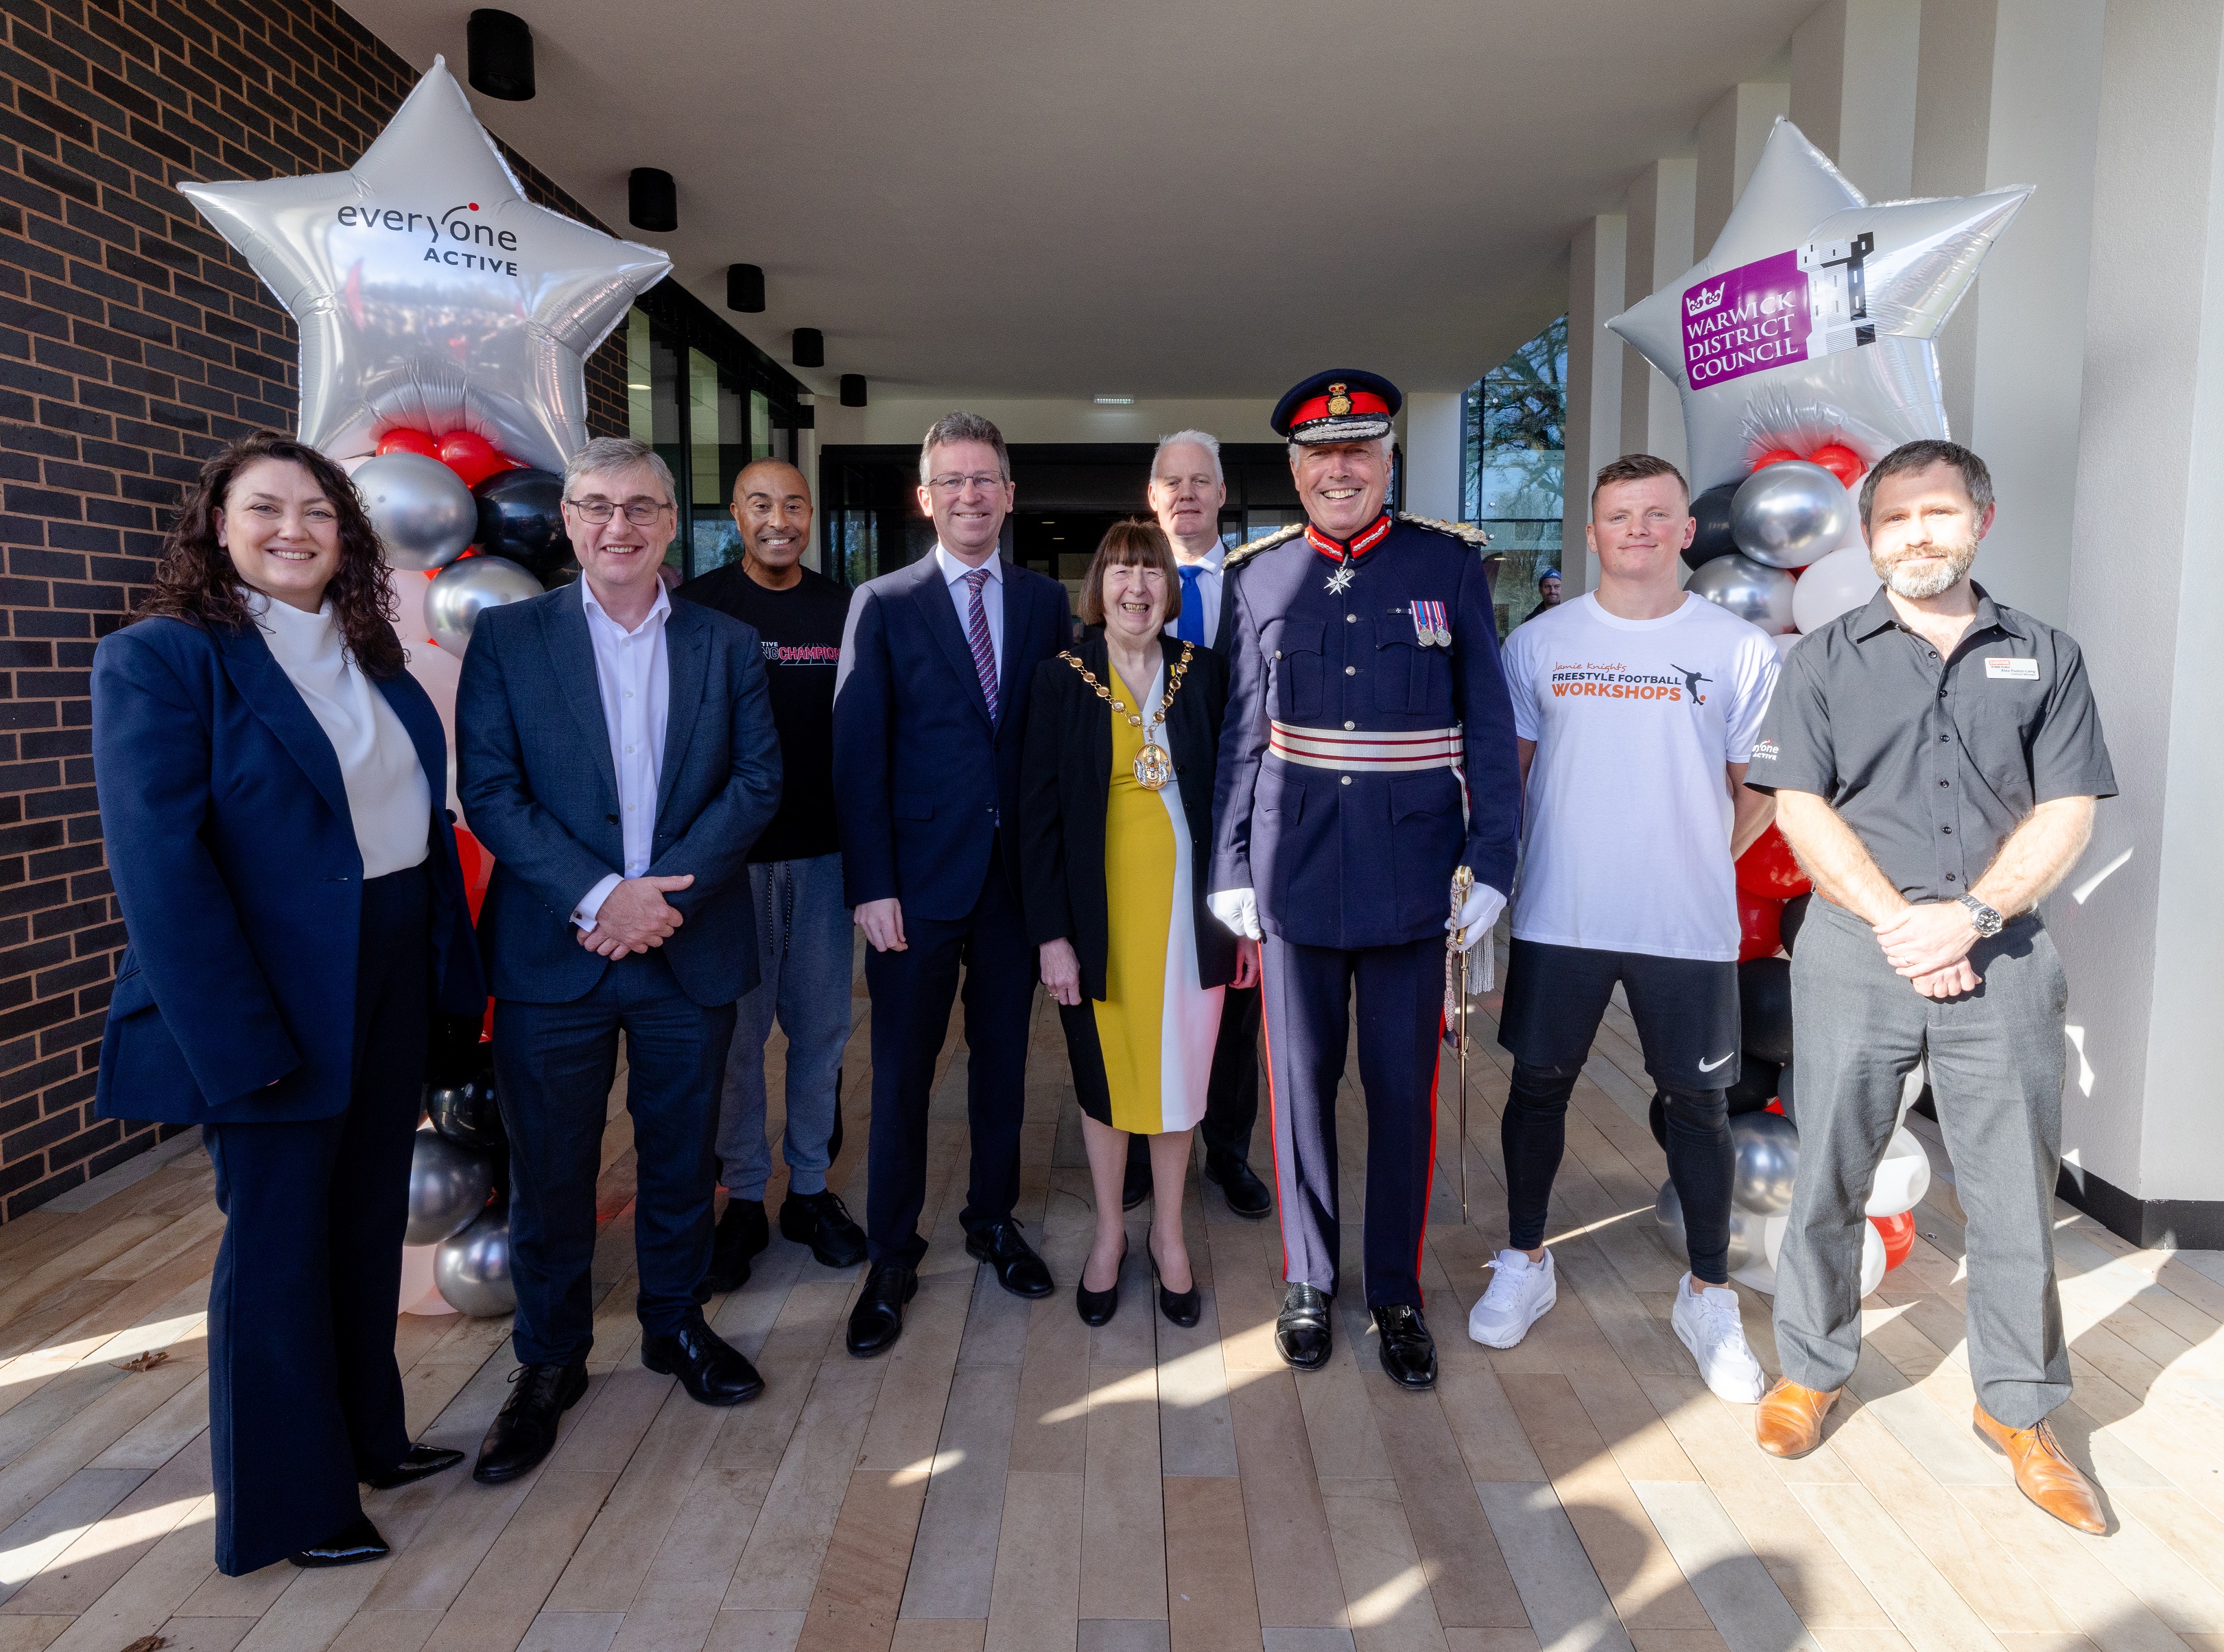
(1133, 543)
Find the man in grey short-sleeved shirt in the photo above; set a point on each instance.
(1936, 758)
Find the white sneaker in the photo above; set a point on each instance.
(1710, 1328)
(1520, 1292)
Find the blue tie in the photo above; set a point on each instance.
(1188, 627)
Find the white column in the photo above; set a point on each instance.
(1853, 89)
(1660, 204)
(1730, 136)
(1433, 454)
(1596, 266)
(2146, 583)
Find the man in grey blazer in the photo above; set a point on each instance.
(614, 750)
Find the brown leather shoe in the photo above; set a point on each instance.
(1788, 1421)
(2044, 1474)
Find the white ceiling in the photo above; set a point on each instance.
(1160, 198)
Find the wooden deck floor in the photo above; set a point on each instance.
(1009, 1479)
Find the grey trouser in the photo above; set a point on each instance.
(1996, 1067)
(804, 954)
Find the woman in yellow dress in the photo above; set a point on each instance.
(1116, 780)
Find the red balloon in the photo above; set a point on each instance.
(1776, 1107)
(408, 441)
(1768, 870)
(471, 456)
(1898, 1233)
(1759, 925)
(1774, 456)
(1839, 460)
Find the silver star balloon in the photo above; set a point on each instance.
(1813, 318)
(429, 292)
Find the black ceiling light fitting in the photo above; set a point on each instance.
(652, 200)
(853, 389)
(745, 288)
(499, 46)
(810, 348)
(806, 416)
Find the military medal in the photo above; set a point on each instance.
(1155, 764)
(1431, 627)
(1340, 581)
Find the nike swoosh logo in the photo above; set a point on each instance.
(1708, 1067)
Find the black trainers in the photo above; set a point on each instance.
(821, 1221)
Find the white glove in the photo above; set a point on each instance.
(1478, 916)
(1238, 909)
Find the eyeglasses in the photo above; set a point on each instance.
(958, 484)
(640, 512)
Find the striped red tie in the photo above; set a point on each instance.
(976, 632)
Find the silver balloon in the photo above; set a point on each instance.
(472, 1269)
(423, 514)
(447, 1187)
(1745, 1228)
(1758, 595)
(429, 292)
(1812, 318)
(1767, 1148)
(460, 591)
(1790, 514)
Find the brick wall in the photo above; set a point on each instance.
(133, 343)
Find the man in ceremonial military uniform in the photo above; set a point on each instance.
(1367, 757)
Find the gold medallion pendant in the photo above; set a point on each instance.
(1155, 764)
(1154, 767)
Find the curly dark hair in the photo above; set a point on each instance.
(195, 581)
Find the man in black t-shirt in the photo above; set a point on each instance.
(795, 880)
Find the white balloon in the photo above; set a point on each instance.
(1872, 1258)
(420, 1294)
(1785, 641)
(1839, 583)
(1902, 1179)
(1760, 1273)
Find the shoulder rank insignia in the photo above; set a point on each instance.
(1466, 530)
(1245, 551)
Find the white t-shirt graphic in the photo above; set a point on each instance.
(1626, 837)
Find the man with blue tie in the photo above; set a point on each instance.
(1186, 491)
(615, 750)
(929, 715)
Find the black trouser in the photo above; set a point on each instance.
(1686, 1011)
(304, 1395)
(912, 992)
(1231, 1094)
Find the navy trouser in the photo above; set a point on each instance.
(1308, 992)
(555, 1063)
(304, 1395)
(912, 992)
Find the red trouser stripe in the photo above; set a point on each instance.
(1273, 1115)
(1428, 1182)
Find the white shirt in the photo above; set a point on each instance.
(389, 800)
(1207, 569)
(633, 672)
(992, 600)
(1626, 840)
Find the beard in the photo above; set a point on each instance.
(1919, 585)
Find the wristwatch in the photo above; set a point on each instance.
(1985, 920)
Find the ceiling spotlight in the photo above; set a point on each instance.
(499, 46)
(652, 200)
(853, 389)
(809, 348)
(745, 288)
(1115, 401)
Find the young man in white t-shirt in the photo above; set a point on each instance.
(1635, 708)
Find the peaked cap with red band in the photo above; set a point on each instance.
(1340, 405)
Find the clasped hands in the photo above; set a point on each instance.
(1929, 943)
(634, 916)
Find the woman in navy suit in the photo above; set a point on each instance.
(272, 783)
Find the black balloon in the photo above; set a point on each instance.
(451, 1051)
(521, 518)
(1765, 1007)
(466, 1114)
(1755, 1087)
(1712, 511)
(1788, 920)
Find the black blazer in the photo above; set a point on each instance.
(1065, 783)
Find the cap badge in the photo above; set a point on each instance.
(1339, 401)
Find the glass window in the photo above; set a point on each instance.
(1513, 458)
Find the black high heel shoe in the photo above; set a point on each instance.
(1097, 1307)
(1183, 1309)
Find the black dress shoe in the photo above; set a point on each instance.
(1247, 1196)
(877, 1320)
(418, 1463)
(1302, 1335)
(710, 1368)
(1002, 1245)
(1409, 1353)
(1097, 1307)
(821, 1221)
(1183, 1307)
(358, 1543)
(524, 1431)
(741, 1234)
(1135, 1183)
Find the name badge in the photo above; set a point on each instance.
(2015, 670)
